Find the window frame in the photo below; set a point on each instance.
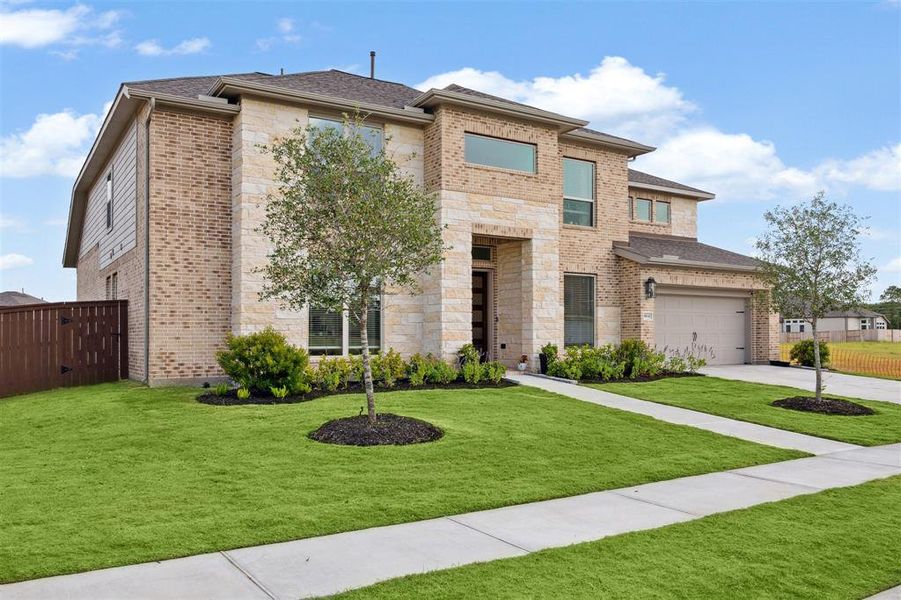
(591, 202)
(346, 348)
(669, 212)
(533, 147)
(593, 278)
(635, 202)
(337, 120)
(109, 201)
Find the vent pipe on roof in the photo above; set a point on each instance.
(372, 64)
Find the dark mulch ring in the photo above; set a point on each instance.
(827, 406)
(231, 398)
(389, 430)
(643, 378)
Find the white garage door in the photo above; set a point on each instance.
(718, 323)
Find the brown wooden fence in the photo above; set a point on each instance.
(44, 346)
(850, 335)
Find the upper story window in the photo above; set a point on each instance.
(641, 209)
(578, 192)
(372, 135)
(504, 154)
(661, 212)
(109, 201)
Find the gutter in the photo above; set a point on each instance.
(227, 86)
(678, 262)
(699, 194)
(634, 148)
(181, 102)
(152, 104)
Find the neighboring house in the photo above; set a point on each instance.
(553, 238)
(13, 298)
(861, 319)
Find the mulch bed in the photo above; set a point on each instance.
(389, 430)
(643, 378)
(231, 398)
(826, 406)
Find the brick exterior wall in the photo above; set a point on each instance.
(190, 244)
(683, 214)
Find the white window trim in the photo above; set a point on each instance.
(345, 331)
(594, 193)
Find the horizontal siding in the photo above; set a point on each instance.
(123, 236)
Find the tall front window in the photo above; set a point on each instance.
(578, 310)
(372, 135)
(336, 334)
(109, 201)
(578, 192)
(504, 154)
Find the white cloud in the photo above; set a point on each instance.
(287, 33)
(876, 234)
(877, 170)
(55, 144)
(37, 28)
(11, 223)
(14, 261)
(893, 266)
(191, 46)
(615, 96)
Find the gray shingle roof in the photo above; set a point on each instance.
(646, 178)
(328, 83)
(860, 312)
(672, 248)
(13, 298)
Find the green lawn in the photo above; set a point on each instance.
(115, 474)
(751, 402)
(869, 359)
(837, 544)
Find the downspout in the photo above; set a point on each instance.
(152, 105)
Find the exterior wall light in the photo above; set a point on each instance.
(650, 288)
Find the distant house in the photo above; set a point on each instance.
(18, 299)
(861, 319)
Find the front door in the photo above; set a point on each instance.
(480, 311)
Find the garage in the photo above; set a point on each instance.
(717, 322)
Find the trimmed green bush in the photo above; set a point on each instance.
(387, 368)
(802, 353)
(494, 371)
(332, 373)
(263, 360)
(441, 372)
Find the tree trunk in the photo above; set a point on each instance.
(367, 368)
(817, 365)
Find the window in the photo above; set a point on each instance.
(641, 210)
(880, 324)
(114, 285)
(578, 192)
(109, 287)
(578, 310)
(372, 135)
(661, 212)
(109, 201)
(504, 154)
(481, 252)
(336, 334)
(801, 328)
(864, 324)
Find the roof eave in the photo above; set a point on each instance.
(435, 96)
(697, 194)
(634, 148)
(226, 86)
(630, 254)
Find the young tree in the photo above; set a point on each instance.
(811, 258)
(344, 222)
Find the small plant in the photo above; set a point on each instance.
(802, 353)
(279, 392)
(262, 360)
(494, 372)
(328, 374)
(417, 370)
(243, 393)
(550, 351)
(441, 372)
(472, 372)
(221, 389)
(391, 368)
(565, 369)
(676, 364)
(469, 353)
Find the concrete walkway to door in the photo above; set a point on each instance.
(852, 386)
(683, 416)
(330, 564)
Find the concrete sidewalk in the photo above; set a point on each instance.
(683, 416)
(330, 564)
(852, 386)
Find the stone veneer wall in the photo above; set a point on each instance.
(764, 336)
(190, 244)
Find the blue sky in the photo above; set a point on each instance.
(760, 103)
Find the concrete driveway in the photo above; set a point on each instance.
(867, 388)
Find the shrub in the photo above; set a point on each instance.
(388, 368)
(417, 370)
(263, 360)
(550, 351)
(243, 393)
(676, 364)
(494, 371)
(472, 371)
(279, 392)
(802, 353)
(441, 372)
(566, 369)
(332, 373)
(469, 353)
(221, 389)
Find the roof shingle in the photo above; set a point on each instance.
(672, 248)
(648, 179)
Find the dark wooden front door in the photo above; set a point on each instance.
(480, 311)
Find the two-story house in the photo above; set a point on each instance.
(553, 237)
